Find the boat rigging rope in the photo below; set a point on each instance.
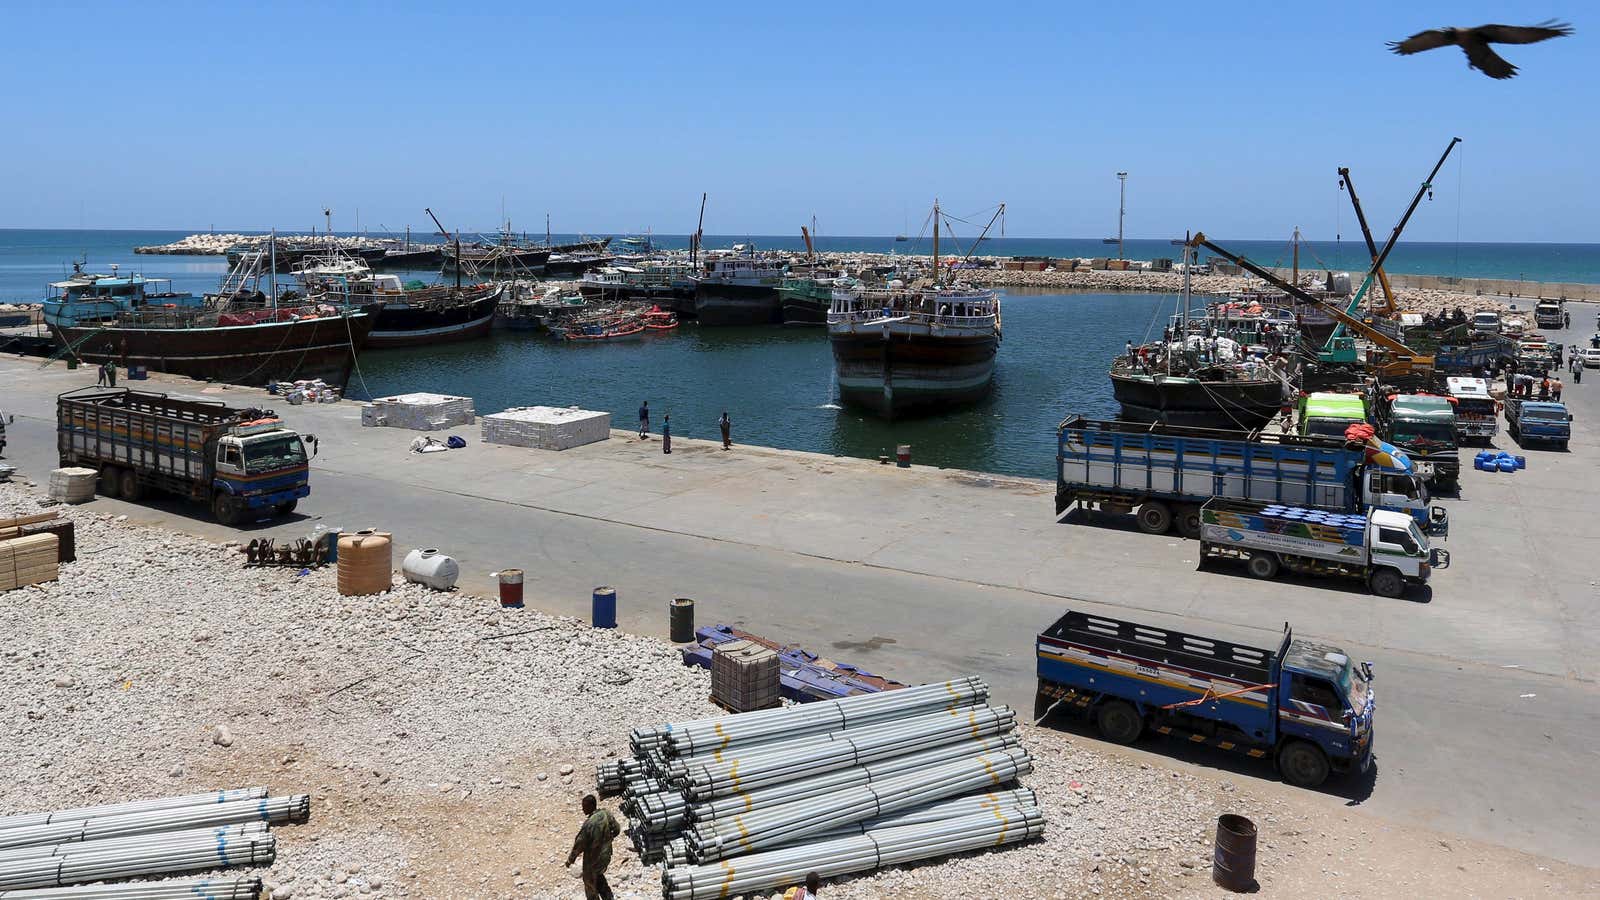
(355, 358)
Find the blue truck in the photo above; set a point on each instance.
(1167, 473)
(1538, 422)
(243, 463)
(1306, 705)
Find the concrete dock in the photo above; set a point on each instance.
(1489, 715)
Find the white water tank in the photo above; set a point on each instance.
(432, 568)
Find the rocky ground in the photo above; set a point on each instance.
(445, 742)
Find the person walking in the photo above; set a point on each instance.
(1544, 388)
(593, 842)
(666, 434)
(1577, 375)
(644, 420)
(1555, 389)
(111, 373)
(726, 424)
(101, 379)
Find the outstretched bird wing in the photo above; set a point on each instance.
(1522, 34)
(1431, 39)
(1486, 60)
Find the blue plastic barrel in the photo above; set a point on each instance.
(332, 537)
(1508, 465)
(1522, 461)
(1479, 461)
(604, 610)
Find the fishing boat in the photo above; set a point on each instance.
(658, 319)
(529, 306)
(653, 281)
(923, 348)
(739, 288)
(806, 299)
(228, 337)
(1198, 375)
(406, 314)
(609, 328)
(87, 297)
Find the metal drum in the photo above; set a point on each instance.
(681, 618)
(1233, 863)
(511, 588)
(603, 612)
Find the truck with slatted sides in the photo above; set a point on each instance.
(1305, 705)
(242, 462)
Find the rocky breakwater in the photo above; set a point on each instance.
(200, 245)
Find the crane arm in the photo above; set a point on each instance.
(1333, 309)
(1389, 305)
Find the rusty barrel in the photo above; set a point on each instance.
(680, 615)
(902, 455)
(1233, 863)
(511, 588)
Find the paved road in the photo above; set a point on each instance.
(1489, 715)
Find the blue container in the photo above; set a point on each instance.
(1522, 461)
(1479, 462)
(331, 536)
(1507, 465)
(604, 610)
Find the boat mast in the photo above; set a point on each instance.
(1296, 276)
(327, 214)
(272, 276)
(699, 233)
(1122, 207)
(936, 242)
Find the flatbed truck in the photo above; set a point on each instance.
(1385, 550)
(1167, 473)
(1538, 421)
(1305, 705)
(239, 462)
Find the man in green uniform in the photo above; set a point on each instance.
(594, 842)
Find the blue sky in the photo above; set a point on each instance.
(1230, 117)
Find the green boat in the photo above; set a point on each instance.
(805, 300)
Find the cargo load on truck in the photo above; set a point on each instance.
(1306, 705)
(242, 462)
(1166, 473)
(1385, 550)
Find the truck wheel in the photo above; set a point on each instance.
(1262, 564)
(283, 509)
(1189, 522)
(1387, 583)
(128, 486)
(1303, 764)
(1119, 722)
(110, 481)
(1154, 518)
(226, 509)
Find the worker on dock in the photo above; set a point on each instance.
(594, 839)
(644, 420)
(666, 434)
(726, 425)
(1555, 388)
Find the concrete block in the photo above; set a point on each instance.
(546, 427)
(420, 412)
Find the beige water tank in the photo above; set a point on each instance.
(366, 562)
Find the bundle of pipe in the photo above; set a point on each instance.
(840, 856)
(215, 835)
(787, 823)
(94, 827)
(768, 765)
(115, 809)
(187, 889)
(85, 862)
(1016, 802)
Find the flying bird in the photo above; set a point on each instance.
(1475, 43)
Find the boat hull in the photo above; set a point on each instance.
(399, 326)
(1233, 404)
(737, 304)
(896, 374)
(234, 354)
(803, 307)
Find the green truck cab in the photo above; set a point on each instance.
(1424, 425)
(1329, 413)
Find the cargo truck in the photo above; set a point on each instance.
(1384, 549)
(1305, 705)
(1547, 314)
(1329, 413)
(243, 463)
(1538, 422)
(1166, 473)
(1424, 426)
(1477, 412)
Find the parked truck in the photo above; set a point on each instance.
(1329, 413)
(1548, 314)
(1424, 426)
(1538, 422)
(1166, 473)
(240, 462)
(1306, 705)
(1384, 549)
(1477, 412)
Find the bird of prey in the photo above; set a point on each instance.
(1475, 43)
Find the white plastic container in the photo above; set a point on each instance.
(432, 568)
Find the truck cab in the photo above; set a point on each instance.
(258, 466)
(1403, 491)
(1424, 425)
(1329, 413)
(1324, 699)
(1537, 421)
(1477, 412)
(1486, 321)
(1547, 314)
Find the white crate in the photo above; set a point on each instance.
(419, 412)
(546, 427)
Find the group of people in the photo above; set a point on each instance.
(593, 843)
(724, 424)
(1528, 387)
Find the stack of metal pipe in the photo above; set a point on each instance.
(146, 837)
(754, 801)
(185, 889)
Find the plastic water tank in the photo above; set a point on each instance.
(366, 562)
(432, 568)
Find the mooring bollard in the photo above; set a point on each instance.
(1233, 863)
(681, 620)
(511, 588)
(603, 612)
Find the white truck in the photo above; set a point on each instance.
(1385, 549)
(1477, 412)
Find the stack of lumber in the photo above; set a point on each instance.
(50, 522)
(30, 559)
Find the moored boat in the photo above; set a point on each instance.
(405, 314)
(739, 289)
(805, 300)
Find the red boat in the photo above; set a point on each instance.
(616, 329)
(658, 319)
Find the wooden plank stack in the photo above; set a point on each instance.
(30, 559)
(73, 484)
(63, 529)
(744, 676)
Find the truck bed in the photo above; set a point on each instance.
(1078, 635)
(148, 432)
(1301, 531)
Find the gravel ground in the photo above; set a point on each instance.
(446, 742)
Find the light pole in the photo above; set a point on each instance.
(1122, 207)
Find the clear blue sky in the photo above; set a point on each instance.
(1230, 117)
